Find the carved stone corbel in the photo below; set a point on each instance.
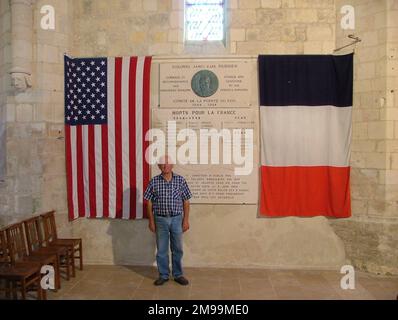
(21, 44)
(20, 79)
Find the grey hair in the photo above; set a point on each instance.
(162, 159)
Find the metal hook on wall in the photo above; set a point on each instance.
(351, 36)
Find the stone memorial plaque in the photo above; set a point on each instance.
(205, 84)
(214, 182)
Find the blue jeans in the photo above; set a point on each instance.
(169, 229)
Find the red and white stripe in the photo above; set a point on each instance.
(305, 160)
(106, 169)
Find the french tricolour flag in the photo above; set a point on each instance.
(305, 117)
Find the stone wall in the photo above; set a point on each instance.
(35, 177)
(35, 163)
(155, 28)
(5, 56)
(371, 236)
(48, 53)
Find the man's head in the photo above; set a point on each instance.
(165, 164)
(204, 82)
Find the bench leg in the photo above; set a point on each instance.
(81, 255)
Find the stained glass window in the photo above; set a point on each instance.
(204, 20)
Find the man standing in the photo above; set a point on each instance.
(168, 212)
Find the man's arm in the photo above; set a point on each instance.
(151, 219)
(185, 221)
(148, 196)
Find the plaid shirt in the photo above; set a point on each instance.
(167, 196)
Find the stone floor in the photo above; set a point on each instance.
(128, 282)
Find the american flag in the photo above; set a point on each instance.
(106, 118)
